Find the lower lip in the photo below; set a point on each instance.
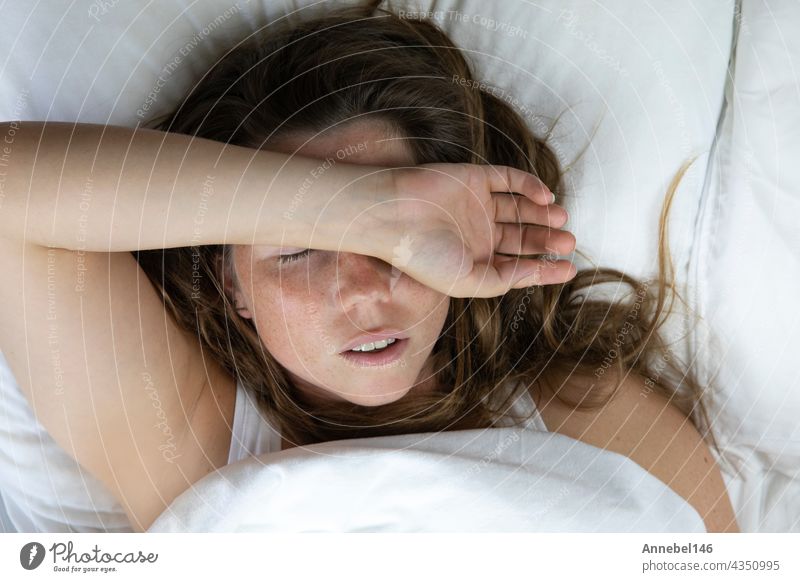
(381, 358)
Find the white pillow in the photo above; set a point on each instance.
(640, 88)
(640, 84)
(647, 78)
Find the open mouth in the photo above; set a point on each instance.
(378, 357)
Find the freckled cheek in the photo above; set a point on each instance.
(425, 298)
(288, 318)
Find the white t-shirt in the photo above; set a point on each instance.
(45, 490)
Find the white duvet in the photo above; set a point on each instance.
(495, 480)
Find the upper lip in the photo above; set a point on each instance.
(373, 336)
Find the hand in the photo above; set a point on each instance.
(443, 224)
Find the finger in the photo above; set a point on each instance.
(514, 209)
(485, 280)
(519, 273)
(507, 179)
(523, 239)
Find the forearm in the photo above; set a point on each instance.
(110, 188)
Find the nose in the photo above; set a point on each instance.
(363, 279)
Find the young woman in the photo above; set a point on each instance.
(329, 186)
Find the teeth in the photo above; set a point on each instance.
(379, 345)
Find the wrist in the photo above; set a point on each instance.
(351, 210)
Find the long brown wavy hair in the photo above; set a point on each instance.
(367, 62)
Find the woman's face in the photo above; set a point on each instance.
(306, 311)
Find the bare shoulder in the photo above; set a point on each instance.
(643, 425)
(117, 384)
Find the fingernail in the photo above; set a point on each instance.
(552, 198)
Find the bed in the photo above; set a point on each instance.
(641, 91)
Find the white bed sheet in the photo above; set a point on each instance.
(745, 269)
(652, 80)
